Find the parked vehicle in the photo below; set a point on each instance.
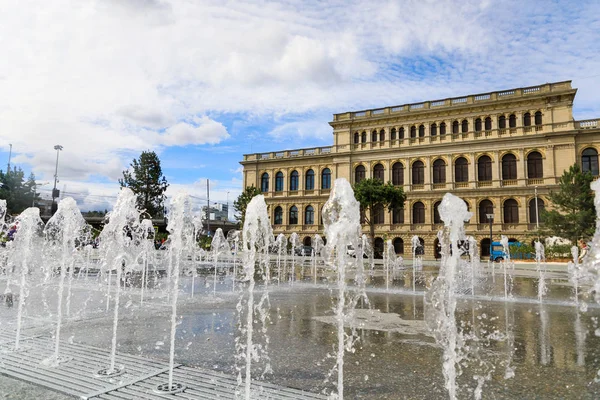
(497, 253)
(304, 251)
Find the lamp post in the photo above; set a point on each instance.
(227, 206)
(490, 218)
(537, 214)
(55, 192)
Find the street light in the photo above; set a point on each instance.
(537, 214)
(55, 192)
(490, 218)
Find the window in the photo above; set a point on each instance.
(442, 128)
(359, 173)
(264, 183)
(455, 127)
(511, 211)
(439, 171)
(436, 213)
(465, 126)
(589, 161)
(294, 215)
(421, 131)
(309, 181)
(484, 168)
(294, 180)
(278, 215)
(398, 215)
(309, 215)
(461, 170)
(398, 174)
(418, 213)
(393, 134)
(502, 122)
(382, 135)
(509, 167)
(401, 134)
(418, 175)
(374, 136)
(378, 172)
(326, 179)
(532, 211)
(378, 248)
(512, 121)
(485, 207)
(478, 125)
(534, 165)
(356, 138)
(527, 119)
(538, 118)
(399, 246)
(413, 131)
(488, 123)
(279, 181)
(363, 137)
(378, 215)
(433, 130)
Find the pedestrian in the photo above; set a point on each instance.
(584, 250)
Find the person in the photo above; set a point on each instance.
(584, 250)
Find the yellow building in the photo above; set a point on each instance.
(495, 150)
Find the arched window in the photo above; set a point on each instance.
(433, 130)
(363, 137)
(538, 118)
(413, 131)
(485, 247)
(439, 171)
(279, 181)
(478, 125)
(398, 215)
(326, 179)
(442, 128)
(398, 174)
(307, 241)
(356, 138)
(455, 126)
(485, 207)
(293, 215)
(512, 121)
(436, 213)
(374, 136)
(418, 175)
(393, 134)
(484, 168)
(421, 130)
(278, 215)
(461, 170)
(533, 213)
(502, 122)
(465, 126)
(589, 161)
(535, 167)
(359, 173)
(378, 248)
(264, 183)
(488, 123)
(511, 211)
(418, 213)
(294, 180)
(382, 135)
(309, 182)
(378, 215)
(527, 119)
(378, 172)
(398, 246)
(401, 133)
(309, 215)
(509, 166)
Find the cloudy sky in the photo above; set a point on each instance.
(202, 82)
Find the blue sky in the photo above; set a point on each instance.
(204, 82)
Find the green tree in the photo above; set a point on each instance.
(18, 193)
(242, 202)
(573, 215)
(146, 180)
(373, 194)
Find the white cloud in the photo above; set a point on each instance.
(203, 131)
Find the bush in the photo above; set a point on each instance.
(558, 251)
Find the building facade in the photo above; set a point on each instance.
(501, 152)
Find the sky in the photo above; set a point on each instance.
(203, 82)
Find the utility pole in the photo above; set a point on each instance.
(55, 192)
(9, 155)
(208, 207)
(490, 218)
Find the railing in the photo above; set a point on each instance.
(418, 186)
(587, 124)
(484, 183)
(459, 100)
(378, 111)
(482, 97)
(506, 93)
(417, 106)
(438, 103)
(509, 182)
(461, 185)
(535, 181)
(439, 186)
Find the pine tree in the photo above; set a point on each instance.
(242, 202)
(573, 215)
(18, 193)
(146, 180)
